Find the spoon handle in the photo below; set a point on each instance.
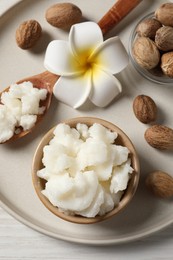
(116, 13)
(45, 79)
(49, 78)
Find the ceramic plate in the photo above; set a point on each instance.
(145, 214)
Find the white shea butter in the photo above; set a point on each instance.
(86, 172)
(19, 108)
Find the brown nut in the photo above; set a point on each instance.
(164, 38)
(63, 15)
(145, 109)
(28, 33)
(159, 137)
(160, 184)
(145, 53)
(167, 64)
(148, 28)
(165, 14)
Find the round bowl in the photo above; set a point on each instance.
(122, 139)
(155, 75)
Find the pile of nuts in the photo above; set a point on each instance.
(158, 136)
(61, 15)
(153, 46)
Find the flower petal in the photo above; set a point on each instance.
(105, 87)
(84, 38)
(59, 59)
(111, 55)
(73, 90)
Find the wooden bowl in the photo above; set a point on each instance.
(122, 139)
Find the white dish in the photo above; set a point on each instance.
(145, 214)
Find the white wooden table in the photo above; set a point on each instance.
(20, 242)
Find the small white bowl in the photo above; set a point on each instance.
(122, 139)
(155, 75)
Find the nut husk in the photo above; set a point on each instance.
(146, 53)
(148, 28)
(167, 64)
(164, 38)
(145, 109)
(159, 137)
(63, 15)
(28, 33)
(165, 14)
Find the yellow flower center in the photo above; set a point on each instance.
(84, 61)
(88, 63)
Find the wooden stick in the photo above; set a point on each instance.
(117, 12)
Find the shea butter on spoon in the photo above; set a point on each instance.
(24, 104)
(20, 108)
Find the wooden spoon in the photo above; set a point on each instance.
(116, 13)
(44, 80)
(47, 80)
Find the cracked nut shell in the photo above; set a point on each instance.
(159, 137)
(28, 33)
(165, 14)
(146, 53)
(148, 28)
(164, 38)
(167, 64)
(145, 109)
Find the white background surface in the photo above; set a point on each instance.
(20, 242)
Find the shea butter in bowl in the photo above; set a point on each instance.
(149, 51)
(85, 170)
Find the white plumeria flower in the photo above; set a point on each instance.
(86, 65)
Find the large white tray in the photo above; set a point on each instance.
(145, 214)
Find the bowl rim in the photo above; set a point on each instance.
(144, 72)
(129, 192)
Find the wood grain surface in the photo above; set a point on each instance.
(20, 242)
